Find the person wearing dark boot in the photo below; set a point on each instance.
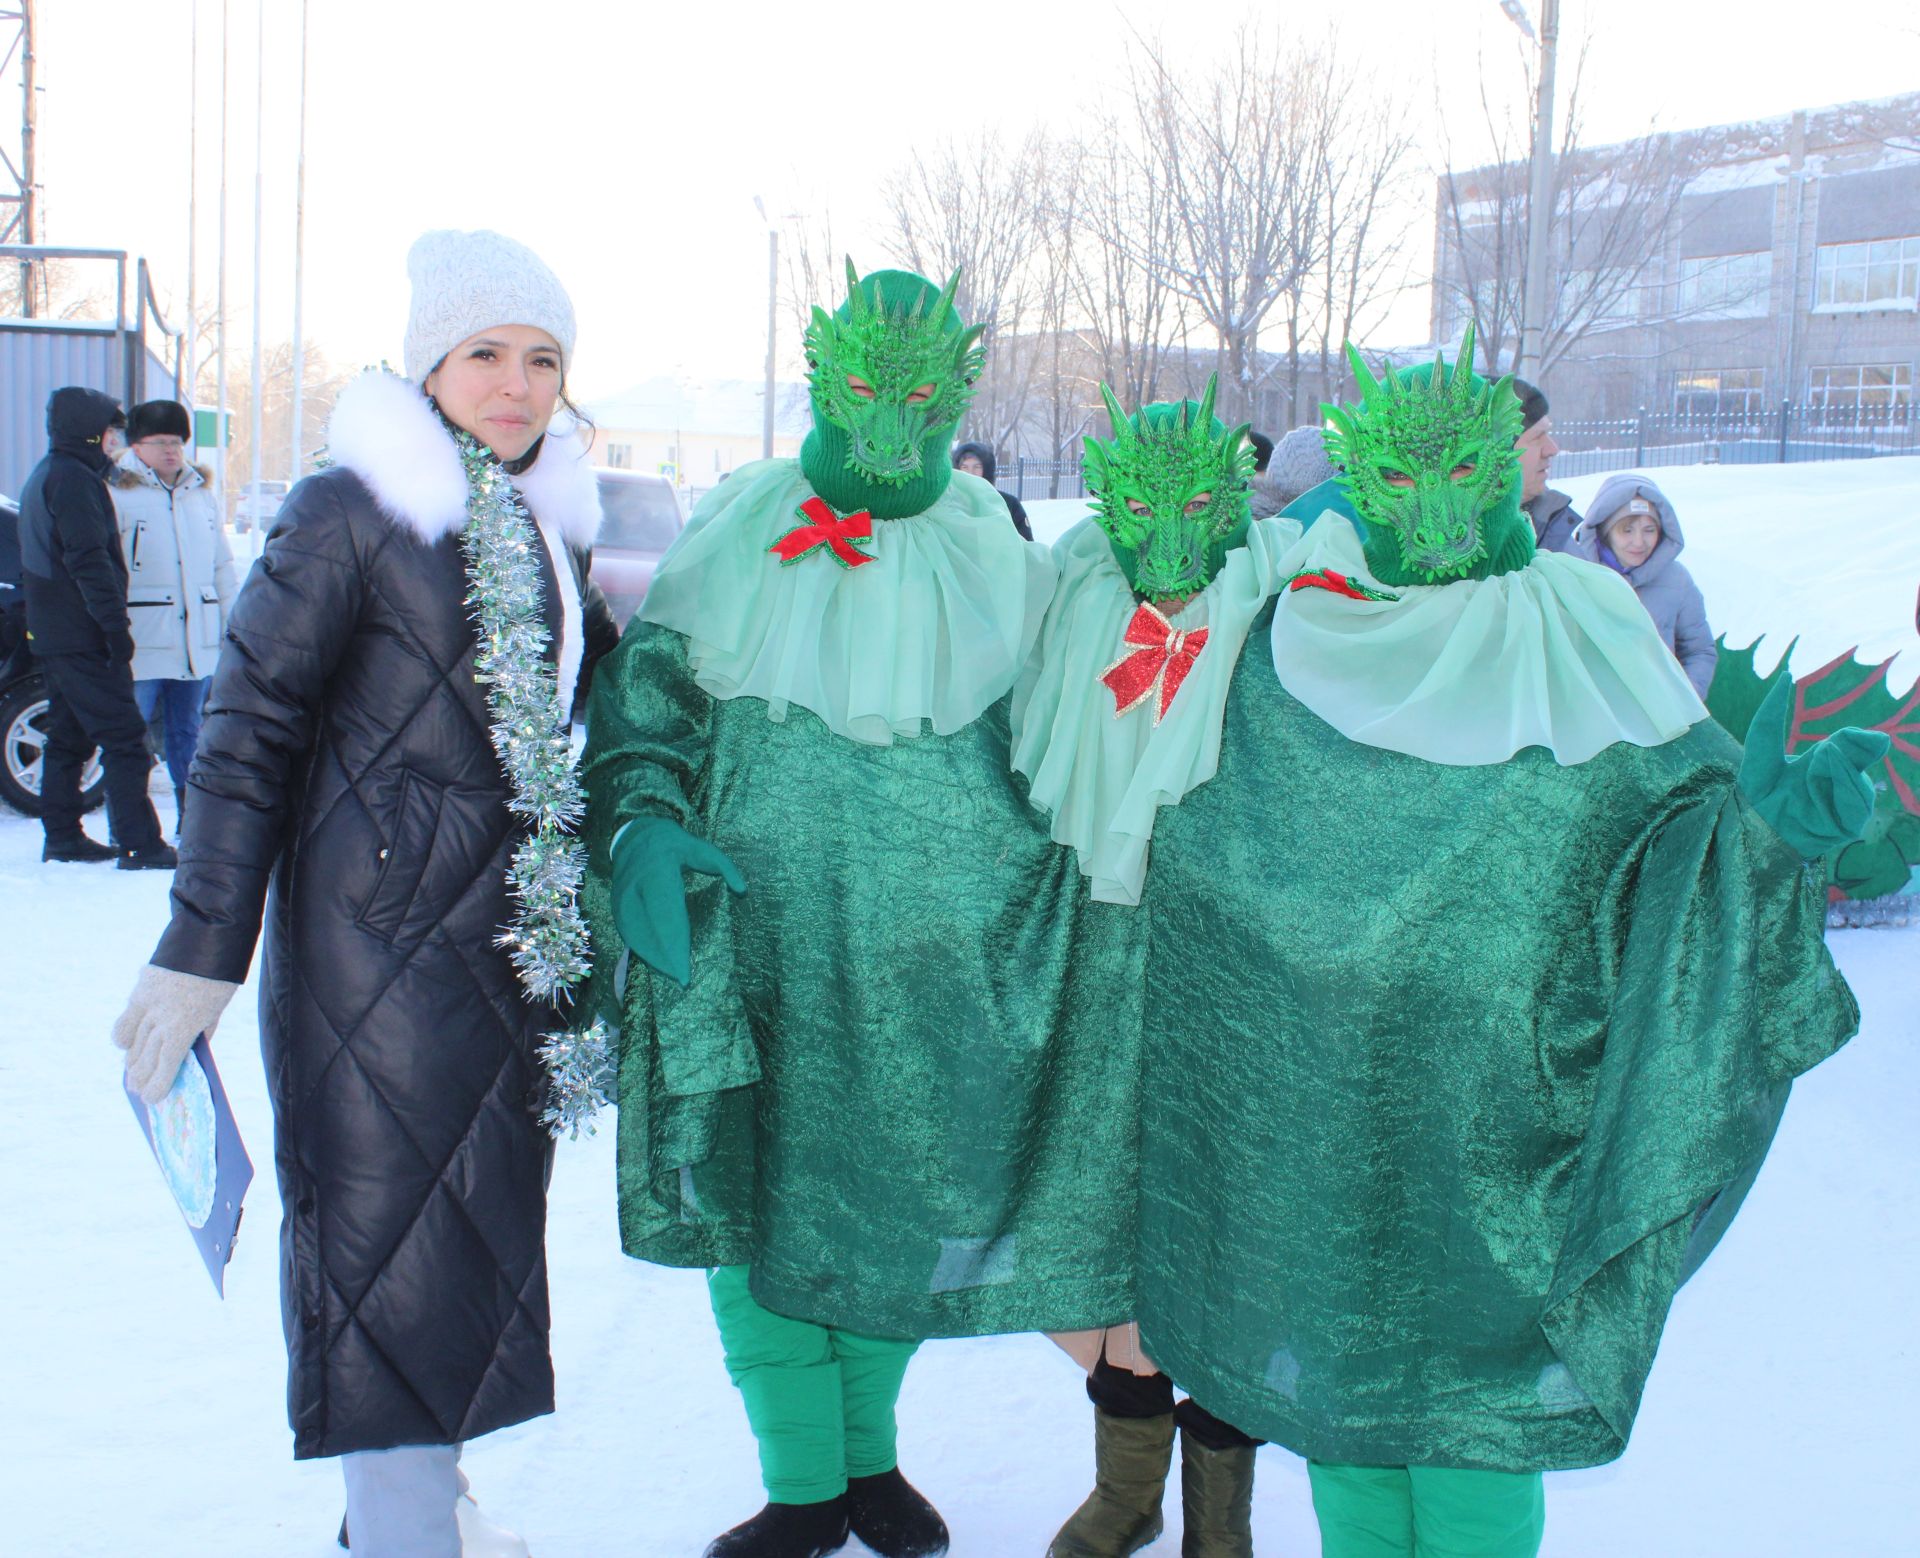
(1134, 1418)
(180, 576)
(74, 578)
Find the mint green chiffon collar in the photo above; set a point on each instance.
(1101, 777)
(932, 632)
(1559, 654)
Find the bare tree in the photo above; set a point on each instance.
(1359, 148)
(1228, 145)
(1120, 216)
(972, 206)
(1613, 209)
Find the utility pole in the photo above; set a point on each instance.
(299, 267)
(1534, 300)
(191, 373)
(773, 317)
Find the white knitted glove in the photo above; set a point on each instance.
(166, 1013)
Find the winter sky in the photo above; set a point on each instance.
(626, 141)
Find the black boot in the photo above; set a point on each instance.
(787, 1531)
(82, 850)
(157, 856)
(1216, 1499)
(893, 1517)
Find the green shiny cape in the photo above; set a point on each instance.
(1442, 1066)
(903, 1082)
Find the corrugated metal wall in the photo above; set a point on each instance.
(37, 359)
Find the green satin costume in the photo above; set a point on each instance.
(1443, 1065)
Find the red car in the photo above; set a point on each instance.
(642, 518)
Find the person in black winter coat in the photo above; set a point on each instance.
(977, 460)
(347, 783)
(74, 579)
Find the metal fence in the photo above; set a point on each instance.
(1026, 478)
(1786, 433)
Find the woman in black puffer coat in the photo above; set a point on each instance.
(346, 779)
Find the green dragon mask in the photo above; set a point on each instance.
(1427, 459)
(1172, 492)
(891, 371)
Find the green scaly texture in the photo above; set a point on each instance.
(1427, 460)
(884, 448)
(1172, 491)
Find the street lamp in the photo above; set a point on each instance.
(1533, 300)
(773, 315)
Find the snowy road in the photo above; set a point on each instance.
(141, 1416)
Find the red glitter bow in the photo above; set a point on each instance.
(1164, 658)
(836, 535)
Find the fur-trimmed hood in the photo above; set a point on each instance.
(383, 430)
(130, 471)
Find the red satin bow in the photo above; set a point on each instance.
(836, 535)
(1164, 658)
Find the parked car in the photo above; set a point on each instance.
(642, 518)
(251, 509)
(23, 691)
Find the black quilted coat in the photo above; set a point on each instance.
(345, 777)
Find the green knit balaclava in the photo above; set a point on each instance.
(1427, 459)
(1172, 491)
(892, 371)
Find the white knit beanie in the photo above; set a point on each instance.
(464, 283)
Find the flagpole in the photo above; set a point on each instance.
(299, 267)
(220, 322)
(259, 197)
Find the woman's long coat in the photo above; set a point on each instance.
(346, 780)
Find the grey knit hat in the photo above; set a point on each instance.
(464, 283)
(1299, 462)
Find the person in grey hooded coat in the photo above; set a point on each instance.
(1637, 534)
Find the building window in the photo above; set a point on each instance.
(1863, 392)
(620, 456)
(1720, 394)
(1724, 286)
(1882, 274)
(1612, 295)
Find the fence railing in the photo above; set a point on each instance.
(1786, 433)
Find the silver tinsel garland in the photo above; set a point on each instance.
(548, 936)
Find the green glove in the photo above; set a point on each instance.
(650, 897)
(1821, 800)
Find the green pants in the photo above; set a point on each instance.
(1427, 1512)
(819, 1400)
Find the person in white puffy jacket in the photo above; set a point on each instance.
(180, 578)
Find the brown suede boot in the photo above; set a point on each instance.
(1216, 1500)
(1131, 1457)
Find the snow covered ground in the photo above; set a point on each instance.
(140, 1415)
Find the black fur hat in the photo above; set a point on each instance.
(159, 419)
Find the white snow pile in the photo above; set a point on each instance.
(140, 1414)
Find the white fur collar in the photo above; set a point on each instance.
(383, 430)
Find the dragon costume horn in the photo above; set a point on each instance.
(1204, 416)
(943, 305)
(1114, 413)
(1371, 392)
(856, 294)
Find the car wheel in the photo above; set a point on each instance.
(23, 741)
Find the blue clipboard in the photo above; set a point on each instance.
(195, 1140)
